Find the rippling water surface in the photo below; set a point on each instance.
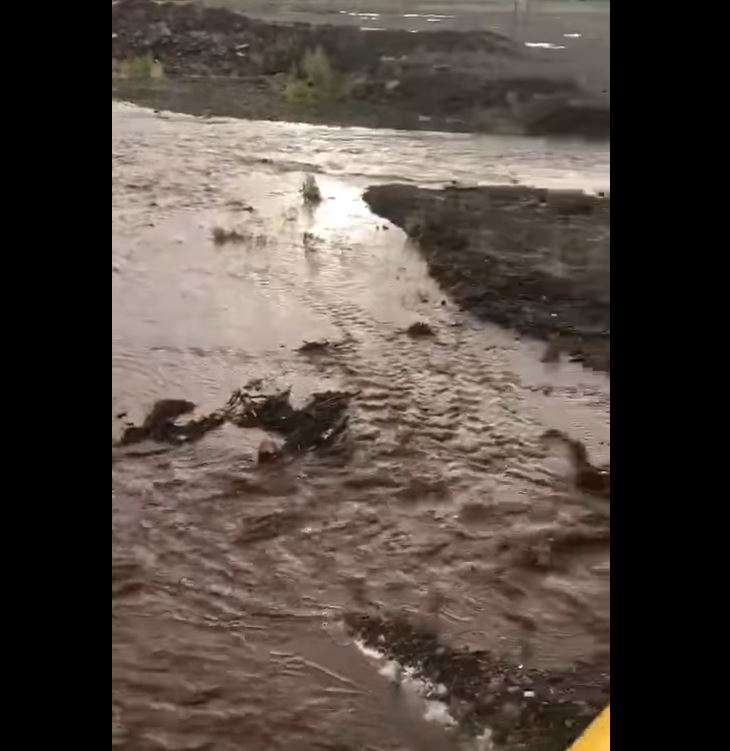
(229, 579)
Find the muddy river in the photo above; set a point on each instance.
(230, 579)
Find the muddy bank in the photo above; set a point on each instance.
(534, 260)
(443, 80)
(519, 707)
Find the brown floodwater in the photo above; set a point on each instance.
(230, 579)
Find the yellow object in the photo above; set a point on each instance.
(597, 736)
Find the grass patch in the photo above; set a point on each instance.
(314, 80)
(310, 191)
(141, 68)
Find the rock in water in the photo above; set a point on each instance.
(268, 451)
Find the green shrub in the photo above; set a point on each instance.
(143, 67)
(310, 190)
(314, 80)
(298, 91)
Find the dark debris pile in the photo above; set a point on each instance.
(525, 709)
(316, 424)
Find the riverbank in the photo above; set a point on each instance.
(537, 261)
(220, 62)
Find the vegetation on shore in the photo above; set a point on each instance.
(143, 67)
(314, 79)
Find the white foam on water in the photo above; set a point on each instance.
(392, 671)
(484, 742)
(545, 45)
(435, 710)
(373, 654)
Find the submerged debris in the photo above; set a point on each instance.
(316, 424)
(159, 425)
(222, 236)
(310, 241)
(316, 347)
(238, 205)
(419, 329)
(324, 346)
(588, 477)
(268, 451)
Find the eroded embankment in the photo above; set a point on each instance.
(535, 260)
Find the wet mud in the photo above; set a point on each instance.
(521, 708)
(223, 63)
(534, 260)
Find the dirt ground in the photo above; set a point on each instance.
(441, 80)
(534, 260)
